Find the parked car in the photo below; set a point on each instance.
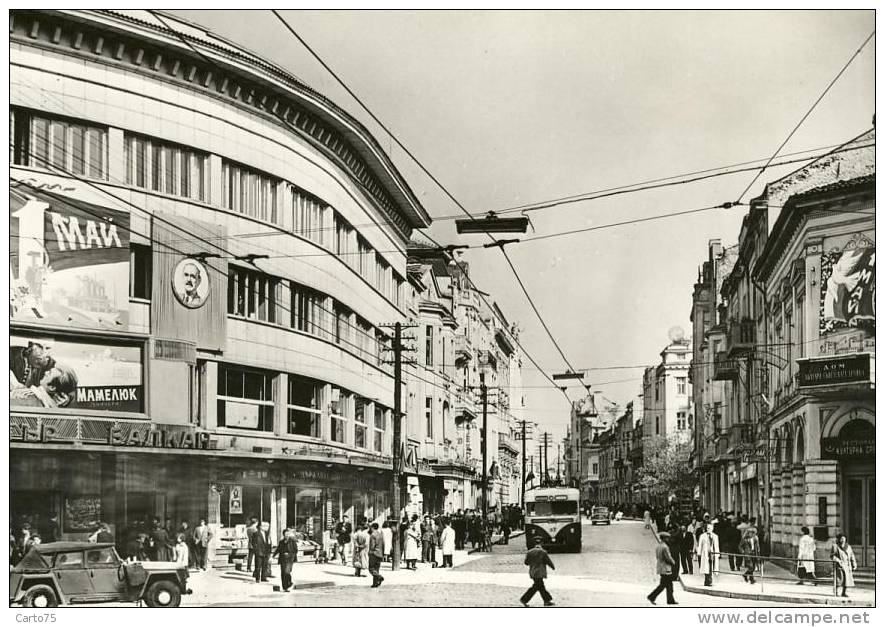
(63, 573)
(600, 514)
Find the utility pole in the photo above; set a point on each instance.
(546, 457)
(522, 492)
(485, 442)
(397, 438)
(396, 478)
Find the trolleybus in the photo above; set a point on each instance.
(554, 516)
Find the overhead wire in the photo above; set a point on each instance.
(805, 116)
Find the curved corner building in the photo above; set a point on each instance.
(204, 253)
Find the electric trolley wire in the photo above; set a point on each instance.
(807, 113)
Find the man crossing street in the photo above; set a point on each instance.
(537, 560)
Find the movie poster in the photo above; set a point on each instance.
(45, 372)
(848, 289)
(69, 261)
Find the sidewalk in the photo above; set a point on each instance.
(782, 589)
(214, 586)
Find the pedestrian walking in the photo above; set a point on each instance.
(665, 569)
(376, 554)
(343, 534)
(805, 568)
(646, 517)
(202, 536)
(387, 540)
(413, 543)
(708, 555)
(447, 543)
(537, 560)
(261, 552)
(505, 531)
(185, 530)
(286, 554)
(749, 548)
(360, 550)
(843, 563)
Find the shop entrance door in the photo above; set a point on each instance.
(859, 511)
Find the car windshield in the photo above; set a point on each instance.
(600, 510)
(552, 508)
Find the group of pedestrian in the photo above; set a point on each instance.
(167, 542)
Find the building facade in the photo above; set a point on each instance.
(818, 270)
(207, 256)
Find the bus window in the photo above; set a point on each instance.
(552, 508)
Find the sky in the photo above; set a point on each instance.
(507, 108)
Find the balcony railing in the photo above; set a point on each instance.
(724, 369)
(741, 335)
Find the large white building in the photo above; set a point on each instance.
(212, 249)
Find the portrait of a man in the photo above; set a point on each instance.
(190, 283)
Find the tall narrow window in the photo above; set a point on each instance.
(140, 271)
(165, 167)
(428, 417)
(250, 192)
(380, 426)
(361, 406)
(681, 385)
(428, 345)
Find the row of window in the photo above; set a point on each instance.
(72, 146)
(245, 400)
(259, 296)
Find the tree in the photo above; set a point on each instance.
(665, 467)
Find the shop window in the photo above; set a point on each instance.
(166, 168)
(250, 192)
(303, 405)
(380, 426)
(140, 271)
(58, 144)
(245, 399)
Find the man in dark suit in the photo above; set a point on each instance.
(287, 552)
(665, 564)
(376, 555)
(537, 560)
(250, 531)
(261, 552)
(202, 536)
(343, 531)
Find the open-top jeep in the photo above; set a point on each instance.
(61, 573)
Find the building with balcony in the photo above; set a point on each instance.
(712, 373)
(818, 271)
(208, 251)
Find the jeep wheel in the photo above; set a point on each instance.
(163, 594)
(40, 596)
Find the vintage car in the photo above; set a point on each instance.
(62, 573)
(600, 514)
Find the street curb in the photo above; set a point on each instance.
(512, 535)
(780, 598)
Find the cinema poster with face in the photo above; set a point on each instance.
(848, 289)
(69, 261)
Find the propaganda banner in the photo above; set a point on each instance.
(69, 261)
(848, 289)
(46, 372)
